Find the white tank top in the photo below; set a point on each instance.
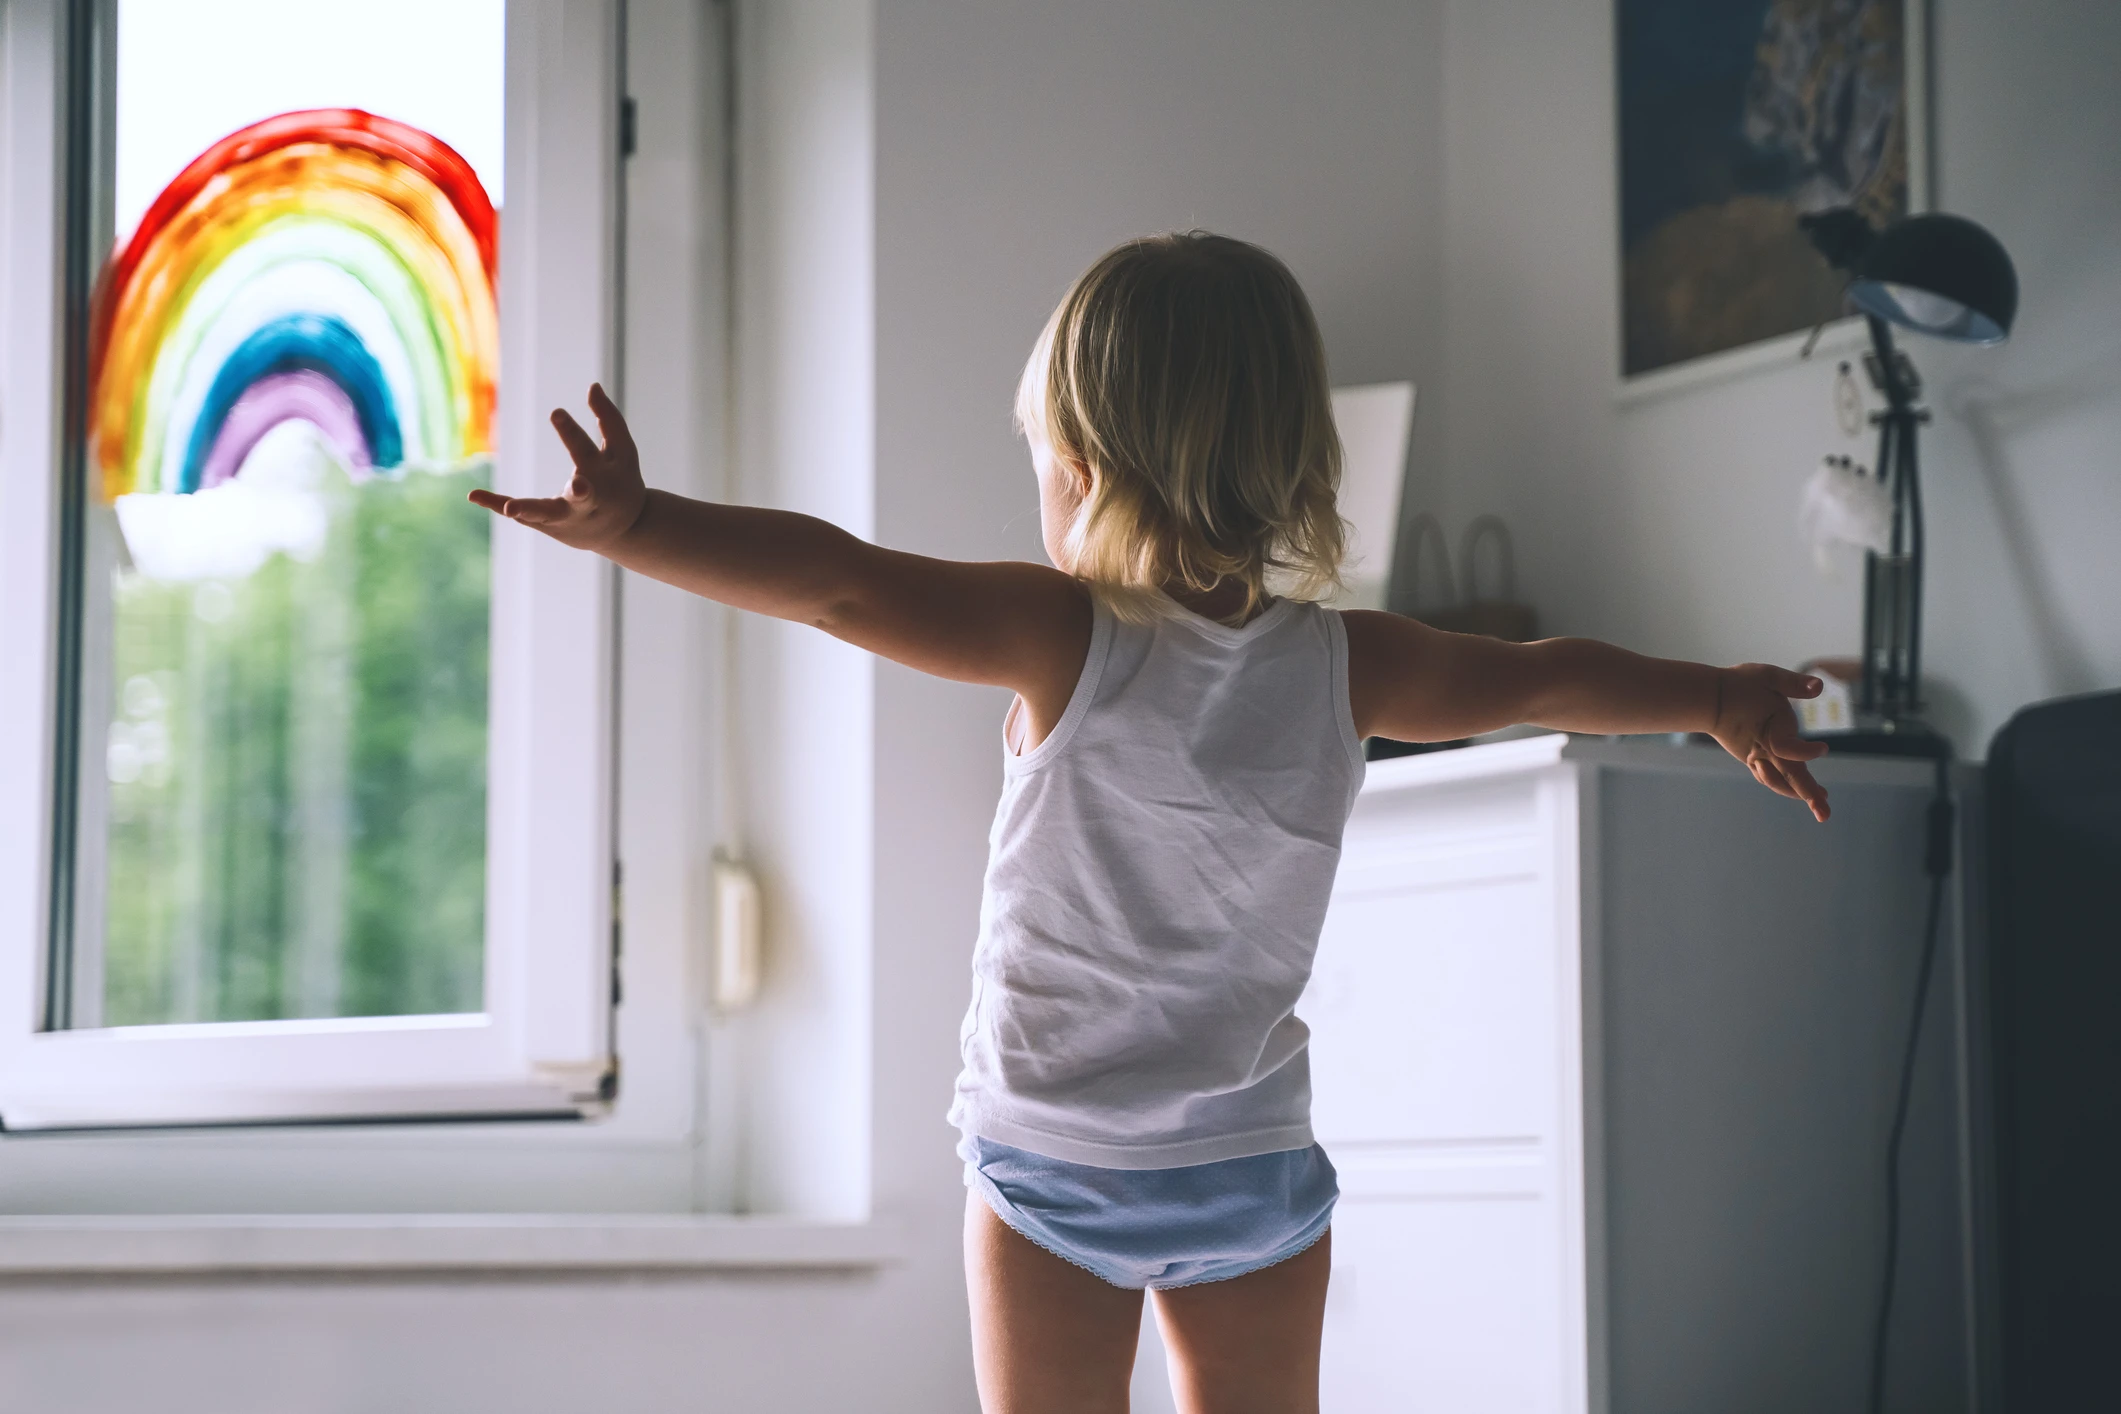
(1158, 873)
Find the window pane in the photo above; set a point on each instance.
(282, 794)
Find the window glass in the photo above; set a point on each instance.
(282, 719)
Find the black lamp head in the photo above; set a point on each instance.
(1940, 275)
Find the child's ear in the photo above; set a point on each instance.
(1078, 476)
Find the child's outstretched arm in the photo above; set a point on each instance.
(1012, 624)
(1410, 682)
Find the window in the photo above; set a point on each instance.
(306, 781)
(292, 368)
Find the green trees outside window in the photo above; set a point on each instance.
(297, 771)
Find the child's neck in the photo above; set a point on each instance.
(1222, 602)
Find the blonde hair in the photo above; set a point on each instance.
(1185, 375)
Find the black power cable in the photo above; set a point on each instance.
(1937, 863)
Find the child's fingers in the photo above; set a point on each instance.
(1768, 772)
(531, 510)
(579, 445)
(536, 510)
(1782, 739)
(1807, 789)
(1791, 684)
(1793, 779)
(610, 421)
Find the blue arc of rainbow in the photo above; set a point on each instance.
(346, 380)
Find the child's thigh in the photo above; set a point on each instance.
(1250, 1343)
(1046, 1335)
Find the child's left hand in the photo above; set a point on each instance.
(1756, 724)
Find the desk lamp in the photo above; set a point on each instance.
(1946, 277)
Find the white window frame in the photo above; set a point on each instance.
(543, 1046)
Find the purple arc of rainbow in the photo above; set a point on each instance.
(301, 394)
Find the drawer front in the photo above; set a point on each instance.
(1433, 1004)
(1441, 1302)
(1446, 1084)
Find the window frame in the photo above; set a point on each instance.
(543, 1046)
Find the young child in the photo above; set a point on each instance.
(1181, 756)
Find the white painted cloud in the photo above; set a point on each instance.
(275, 505)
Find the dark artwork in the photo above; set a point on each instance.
(1735, 117)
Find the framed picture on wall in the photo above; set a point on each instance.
(1735, 118)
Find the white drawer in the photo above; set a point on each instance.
(1432, 1006)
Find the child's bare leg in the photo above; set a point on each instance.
(1250, 1343)
(1046, 1335)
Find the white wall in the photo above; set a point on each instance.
(1670, 525)
(800, 759)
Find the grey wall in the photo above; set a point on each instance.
(1749, 1075)
(1670, 525)
(1015, 143)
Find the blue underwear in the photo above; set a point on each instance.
(1159, 1228)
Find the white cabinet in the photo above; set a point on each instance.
(1604, 1039)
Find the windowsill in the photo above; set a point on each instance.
(215, 1244)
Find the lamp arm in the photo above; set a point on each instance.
(1892, 617)
(1890, 370)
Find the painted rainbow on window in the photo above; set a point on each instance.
(329, 266)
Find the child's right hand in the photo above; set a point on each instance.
(604, 498)
(1756, 724)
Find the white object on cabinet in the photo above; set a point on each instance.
(1375, 422)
